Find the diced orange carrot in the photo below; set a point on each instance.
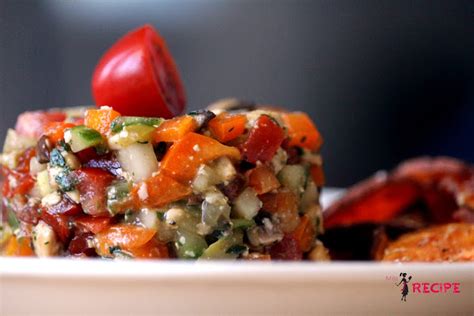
(55, 130)
(283, 205)
(263, 180)
(159, 190)
(317, 175)
(100, 119)
(183, 159)
(19, 247)
(226, 127)
(302, 131)
(125, 236)
(151, 250)
(305, 233)
(174, 129)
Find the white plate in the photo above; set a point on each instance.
(100, 287)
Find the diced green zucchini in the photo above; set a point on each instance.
(117, 194)
(242, 223)
(186, 220)
(81, 137)
(189, 245)
(294, 177)
(122, 121)
(133, 134)
(225, 247)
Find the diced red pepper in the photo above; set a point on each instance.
(174, 129)
(263, 179)
(302, 131)
(55, 130)
(124, 236)
(18, 247)
(92, 186)
(263, 141)
(160, 190)
(100, 119)
(183, 159)
(151, 250)
(317, 175)
(226, 127)
(305, 233)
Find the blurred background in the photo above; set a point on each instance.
(383, 80)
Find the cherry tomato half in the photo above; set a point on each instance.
(137, 76)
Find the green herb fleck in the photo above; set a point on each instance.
(237, 249)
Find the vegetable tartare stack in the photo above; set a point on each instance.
(230, 182)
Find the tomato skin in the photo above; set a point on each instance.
(92, 185)
(263, 141)
(137, 76)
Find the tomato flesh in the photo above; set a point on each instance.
(137, 76)
(92, 185)
(263, 141)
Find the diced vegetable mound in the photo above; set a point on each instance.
(237, 184)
